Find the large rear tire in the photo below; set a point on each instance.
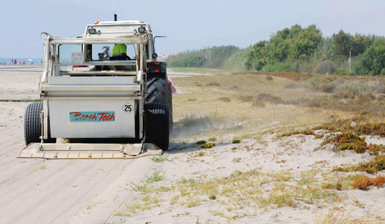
(32, 124)
(159, 91)
(157, 124)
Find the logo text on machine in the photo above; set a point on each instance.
(98, 116)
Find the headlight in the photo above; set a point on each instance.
(92, 31)
(142, 29)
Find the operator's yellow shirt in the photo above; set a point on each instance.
(118, 49)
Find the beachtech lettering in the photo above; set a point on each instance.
(105, 116)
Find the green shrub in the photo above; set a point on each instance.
(324, 83)
(374, 166)
(212, 139)
(347, 141)
(236, 141)
(325, 67)
(353, 88)
(207, 145)
(342, 71)
(358, 148)
(159, 159)
(201, 142)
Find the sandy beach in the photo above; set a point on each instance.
(261, 178)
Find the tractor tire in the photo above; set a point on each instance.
(32, 124)
(159, 91)
(157, 125)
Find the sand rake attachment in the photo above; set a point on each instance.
(88, 151)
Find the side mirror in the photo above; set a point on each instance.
(154, 55)
(44, 37)
(159, 37)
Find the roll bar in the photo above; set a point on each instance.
(139, 40)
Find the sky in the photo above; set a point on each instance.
(188, 25)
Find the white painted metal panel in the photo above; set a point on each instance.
(90, 88)
(91, 80)
(110, 39)
(122, 126)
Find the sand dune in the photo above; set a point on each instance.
(260, 179)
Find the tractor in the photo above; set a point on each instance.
(103, 94)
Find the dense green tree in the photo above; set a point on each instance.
(256, 57)
(345, 43)
(307, 42)
(284, 48)
(360, 44)
(342, 44)
(372, 61)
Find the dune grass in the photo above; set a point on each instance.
(208, 108)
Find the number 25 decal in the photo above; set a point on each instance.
(127, 108)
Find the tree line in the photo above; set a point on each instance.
(213, 57)
(296, 49)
